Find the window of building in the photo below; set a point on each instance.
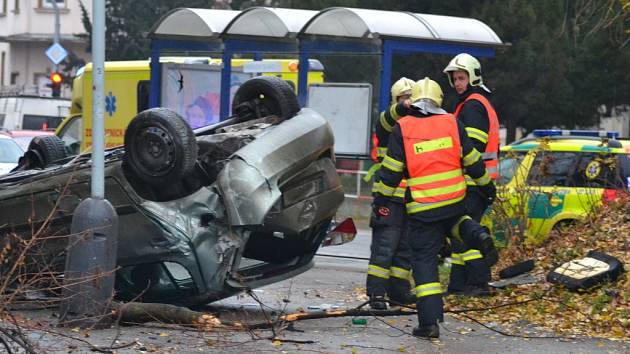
(14, 77)
(4, 7)
(16, 7)
(3, 58)
(49, 3)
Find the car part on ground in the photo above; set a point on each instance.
(517, 269)
(253, 210)
(584, 273)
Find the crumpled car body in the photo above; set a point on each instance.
(247, 218)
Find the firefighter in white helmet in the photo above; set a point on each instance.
(389, 268)
(431, 150)
(470, 273)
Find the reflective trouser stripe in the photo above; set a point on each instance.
(428, 289)
(401, 273)
(470, 255)
(378, 272)
(456, 258)
(455, 229)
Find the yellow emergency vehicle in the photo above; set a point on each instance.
(127, 87)
(557, 177)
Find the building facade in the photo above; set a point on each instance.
(27, 30)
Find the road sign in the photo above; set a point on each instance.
(56, 53)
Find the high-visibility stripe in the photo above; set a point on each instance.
(456, 258)
(400, 192)
(393, 113)
(433, 145)
(433, 178)
(392, 164)
(489, 155)
(415, 207)
(455, 229)
(380, 187)
(492, 170)
(385, 124)
(472, 157)
(471, 254)
(381, 151)
(478, 134)
(428, 289)
(483, 180)
(400, 273)
(378, 272)
(426, 193)
(370, 173)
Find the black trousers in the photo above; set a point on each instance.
(426, 239)
(469, 267)
(390, 257)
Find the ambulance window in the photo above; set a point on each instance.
(552, 169)
(624, 165)
(143, 95)
(71, 135)
(597, 171)
(508, 164)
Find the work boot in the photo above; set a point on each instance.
(487, 249)
(430, 331)
(378, 302)
(406, 299)
(476, 290)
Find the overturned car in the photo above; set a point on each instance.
(203, 214)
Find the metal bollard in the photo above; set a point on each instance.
(90, 266)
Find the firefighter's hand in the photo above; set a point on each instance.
(489, 191)
(379, 207)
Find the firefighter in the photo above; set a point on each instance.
(470, 273)
(431, 149)
(390, 255)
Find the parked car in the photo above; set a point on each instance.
(557, 177)
(203, 214)
(10, 153)
(24, 137)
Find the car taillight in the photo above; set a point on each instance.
(609, 196)
(342, 233)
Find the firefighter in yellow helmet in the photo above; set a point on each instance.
(470, 273)
(431, 150)
(390, 256)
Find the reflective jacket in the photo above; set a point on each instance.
(384, 126)
(401, 161)
(490, 138)
(433, 161)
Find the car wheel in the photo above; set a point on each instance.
(263, 96)
(160, 147)
(47, 149)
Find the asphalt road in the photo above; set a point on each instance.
(333, 283)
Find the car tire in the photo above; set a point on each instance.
(160, 147)
(48, 149)
(275, 97)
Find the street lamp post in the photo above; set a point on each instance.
(91, 255)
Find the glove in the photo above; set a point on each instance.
(380, 211)
(489, 191)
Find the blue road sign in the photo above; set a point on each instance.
(56, 53)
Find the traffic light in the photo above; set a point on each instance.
(55, 83)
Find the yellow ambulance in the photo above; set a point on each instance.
(557, 177)
(127, 87)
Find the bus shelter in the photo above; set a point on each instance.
(260, 31)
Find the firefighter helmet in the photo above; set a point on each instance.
(468, 63)
(427, 89)
(400, 88)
